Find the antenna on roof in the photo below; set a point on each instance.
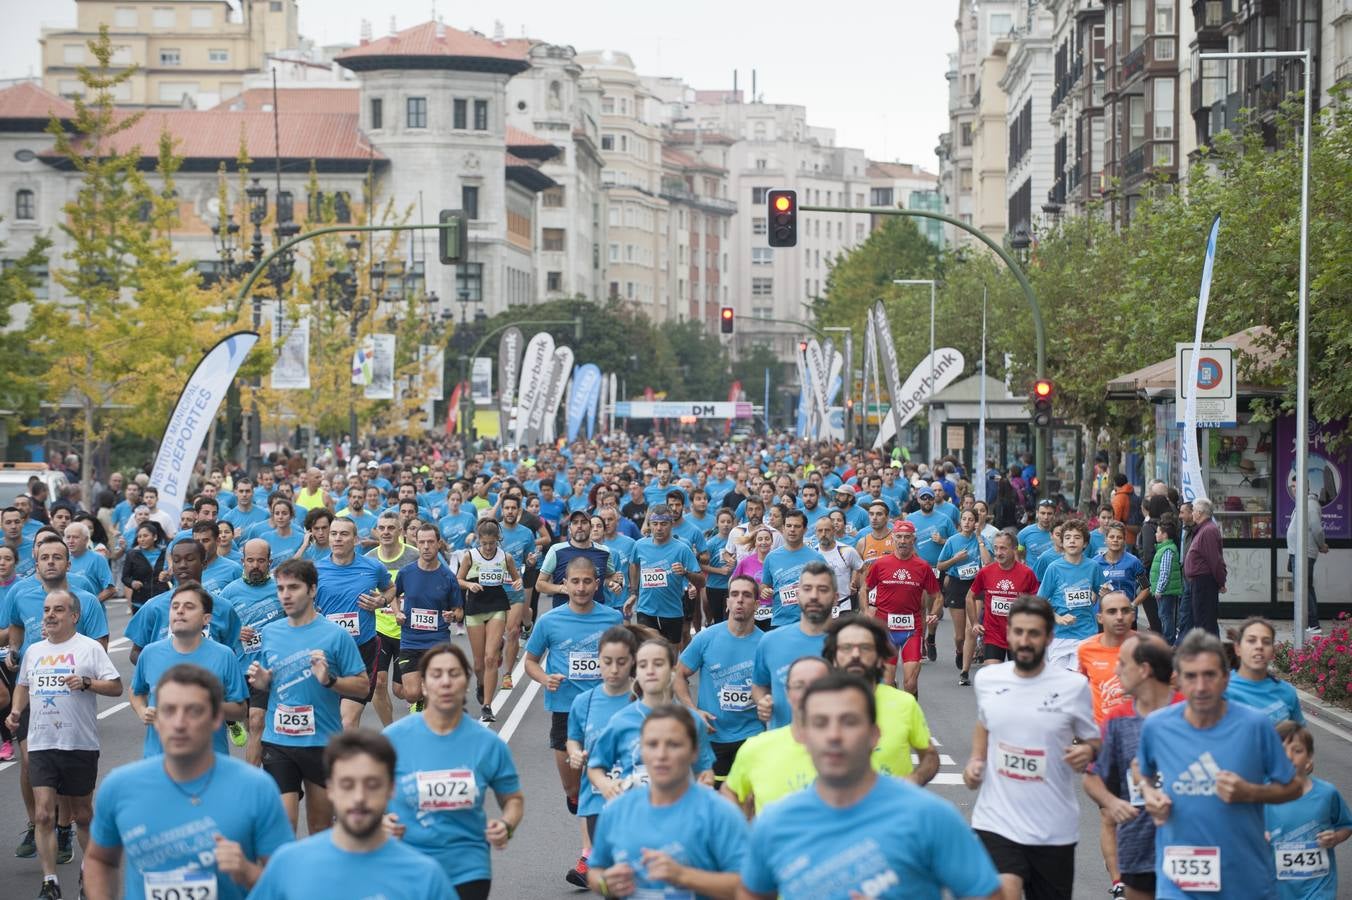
(441, 30)
(365, 31)
(393, 27)
(499, 30)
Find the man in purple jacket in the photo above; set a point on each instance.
(1204, 567)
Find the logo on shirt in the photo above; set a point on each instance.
(1199, 778)
(1005, 586)
(1049, 702)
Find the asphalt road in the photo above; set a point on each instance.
(548, 841)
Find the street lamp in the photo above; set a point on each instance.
(933, 373)
(1300, 570)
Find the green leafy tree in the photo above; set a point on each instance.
(20, 391)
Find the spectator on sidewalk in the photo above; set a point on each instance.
(1315, 544)
(1204, 567)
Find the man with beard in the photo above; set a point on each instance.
(781, 646)
(359, 766)
(904, 589)
(254, 599)
(860, 645)
(1035, 731)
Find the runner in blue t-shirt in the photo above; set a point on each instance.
(429, 601)
(781, 646)
(1073, 586)
(254, 599)
(932, 527)
(1304, 831)
(351, 588)
(458, 523)
(660, 571)
(782, 568)
(1035, 537)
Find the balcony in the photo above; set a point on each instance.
(1210, 16)
(676, 189)
(1163, 50)
(1132, 65)
(1343, 71)
(1133, 165)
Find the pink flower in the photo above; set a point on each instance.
(1321, 678)
(1342, 648)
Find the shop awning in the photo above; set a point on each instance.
(1157, 380)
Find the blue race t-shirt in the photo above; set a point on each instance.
(660, 590)
(441, 781)
(701, 830)
(242, 519)
(519, 541)
(151, 622)
(967, 569)
(455, 528)
(301, 711)
(168, 841)
(1304, 871)
(568, 644)
(23, 607)
(1273, 698)
(724, 663)
(255, 605)
(803, 849)
(366, 521)
(617, 749)
(220, 572)
(774, 654)
(588, 717)
(781, 571)
(426, 595)
(1207, 842)
(716, 545)
(94, 567)
(160, 656)
(1073, 588)
(340, 590)
(316, 867)
(1126, 575)
(1034, 539)
(283, 547)
(928, 526)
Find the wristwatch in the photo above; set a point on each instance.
(331, 680)
(86, 682)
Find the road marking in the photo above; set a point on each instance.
(116, 707)
(1330, 728)
(944, 759)
(519, 712)
(4, 766)
(947, 778)
(119, 644)
(504, 697)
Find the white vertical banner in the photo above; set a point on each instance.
(834, 382)
(509, 369)
(432, 371)
(891, 369)
(561, 376)
(804, 398)
(980, 462)
(816, 386)
(612, 391)
(481, 381)
(910, 398)
(381, 386)
(870, 365)
(192, 417)
(535, 366)
(291, 343)
(1192, 485)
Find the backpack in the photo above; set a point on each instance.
(1134, 515)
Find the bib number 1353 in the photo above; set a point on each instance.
(1193, 868)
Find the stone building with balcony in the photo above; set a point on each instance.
(1027, 85)
(906, 186)
(700, 217)
(1077, 105)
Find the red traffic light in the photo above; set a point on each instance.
(783, 215)
(783, 203)
(727, 317)
(1042, 388)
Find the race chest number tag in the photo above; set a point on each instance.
(901, 621)
(253, 644)
(1020, 763)
(764, 613)
(788, 595)
(735, 698)
(1299, 860)
(653, 578)
(1193, 868)
(490, 577)
(446, 789)
(181, 884)
(50, 684)
(294, 721)
(346, 621)
(584, 666)
(1000, 606)
(1079, 599)
(968, 571)
(423, 619)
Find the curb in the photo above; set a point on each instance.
(1318, 709)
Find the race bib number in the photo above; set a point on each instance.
(654, 578)
(788, 595)
(446, 789)
(490, 577)
(346, 621)
(1079, 599)
(51, 684)
(968, 571)
(1299, 860)
(253, 644)
(294, 721)
(872, 596)
(764, 613)
(584, 666)
(1000, 606)
(636, 778)
(1020, 763)
(901, 621)
(181, 884)
(423, 619)
(735, 698)
(937, 573)
(1134, 795)
(1193, 868)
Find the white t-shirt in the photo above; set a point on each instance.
(59, 718)
(745, 550)
(1029, 794)
(844, 561)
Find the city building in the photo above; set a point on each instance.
(990, 143)
(1077, 105)
(906, 186)
(192, 54)
(1027, 85)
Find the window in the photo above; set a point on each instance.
(469, 201)
(218, 55)
(762, 256)
(417, 112)
(966, 134)
(38, 277)
(175, 91)
(200, 18)
(624, 143)
(1000, 24)
(377, 113)
(469, 281)
(762, 312)
(480, 115)
(1136, 24)
(964, 179)
(758, 195)
(607, 142)
(553, 281)
(613, 216)
(122, 55)
(1136, 118)
(762, 287)
(629, 290)
(761, 164)
(124, 17)
(758, 225)
(880, 197)
(614, 251)
(170, 56)
(275, 6)
(1164, 109)
(552, 198)
(342, 206)
(72, 54)
(553, 239)
(859, 231)
(24, 205)
(608, 106)
(460, 114)
(1164, 17)
(162, 17)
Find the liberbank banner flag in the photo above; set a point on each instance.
(509, 365)
(586, 382)
(1191, 485)
(891, 368)
(906, 403)
(535, 367)
(192, 417)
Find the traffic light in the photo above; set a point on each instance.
(783, 218)
(452, 240)
(1043, 390)
(726, 319)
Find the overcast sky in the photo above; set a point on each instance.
(872, 70)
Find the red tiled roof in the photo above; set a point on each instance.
(216, 134)
(899, 170)
(688, 161)
(27, 100)
(518, 138)
(424, 40)
(687, 136)
(289, 100)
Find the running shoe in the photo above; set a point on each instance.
(577, 875)
(486, 715)
(28, 847)
(931, 649)
(65, 844)
(1117, 891)
(239, 735)
(506, 683)
(964, 680)
(50, 891)
(6, 751)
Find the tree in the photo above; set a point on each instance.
(20, 392)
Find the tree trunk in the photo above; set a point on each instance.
(1087, 477)
(87, 456)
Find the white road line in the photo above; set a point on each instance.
(1330, 727)
(519, 712)
(116, 707)
(503, 697)
(947, 778)
(4, 766)
(119, 644)
(944, 759)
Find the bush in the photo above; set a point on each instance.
(1324, 665)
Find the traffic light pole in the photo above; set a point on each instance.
(1039, 333)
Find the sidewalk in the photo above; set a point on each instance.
(1314, 707)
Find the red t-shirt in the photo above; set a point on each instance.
(1000, 588)
(901, 586)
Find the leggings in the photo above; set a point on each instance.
(474, 890)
